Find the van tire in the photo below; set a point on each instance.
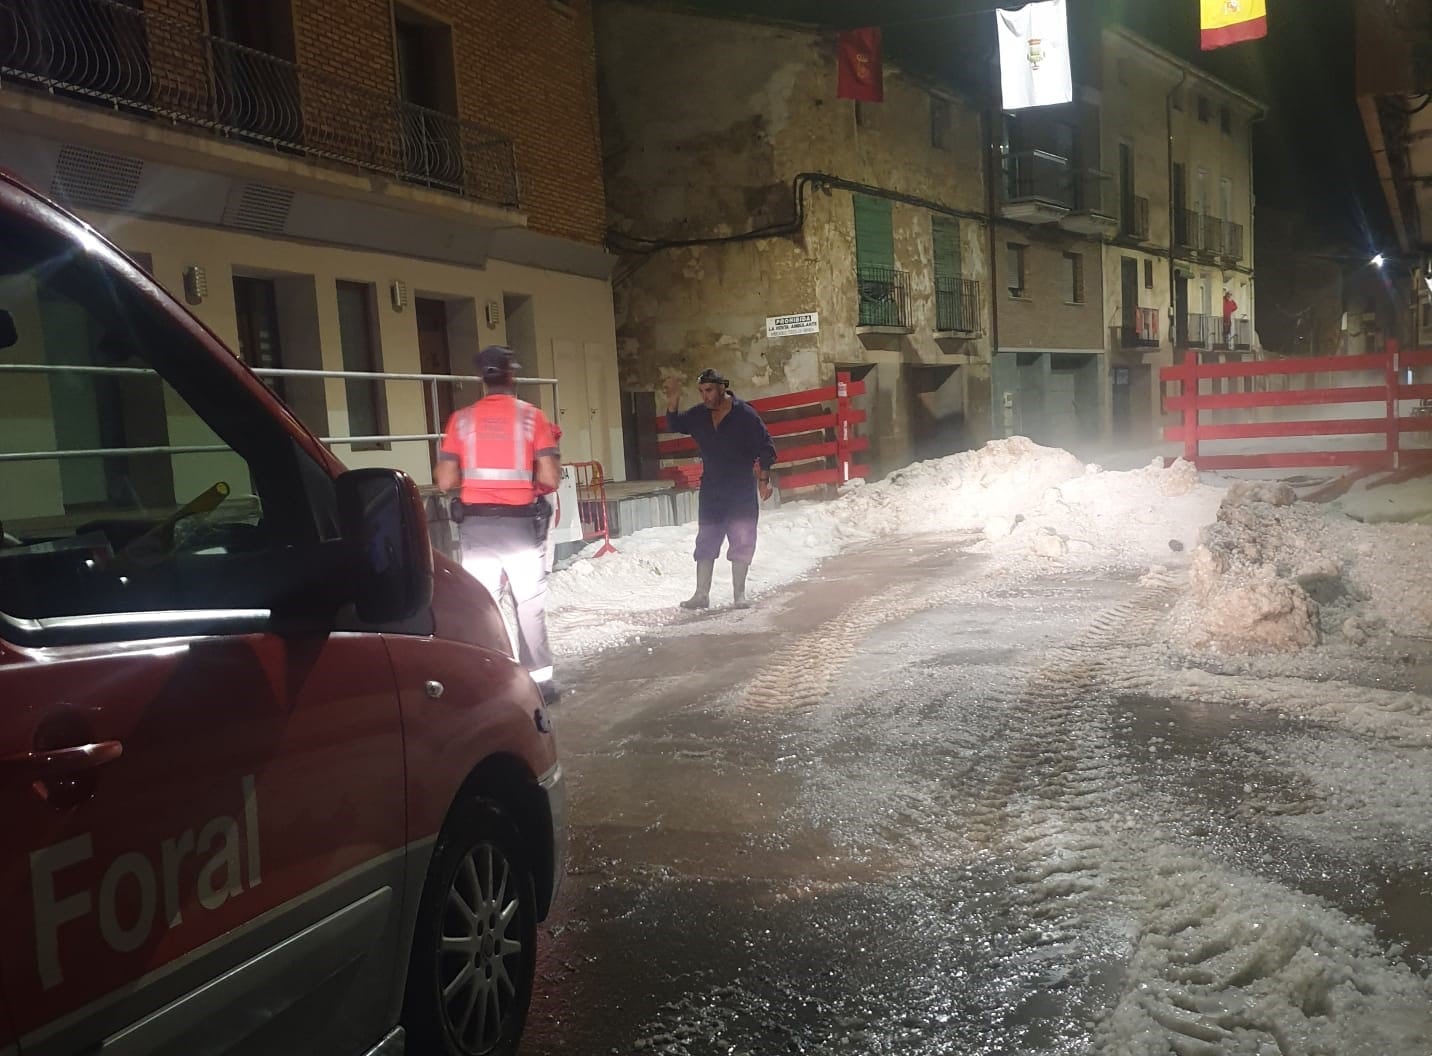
(472, 1000)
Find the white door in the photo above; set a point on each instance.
(574, 404)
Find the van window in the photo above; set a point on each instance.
(136, 474)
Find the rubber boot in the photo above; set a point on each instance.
(738, 583)
(702, 598)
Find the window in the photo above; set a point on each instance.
(427, 85)
(240, 28)
(1225, 120)
(939, 123)
(256, 309)
(874, 233)
(1015, 262)
(1177, 98)
(860, 114)
(1148, 274)
(1205, 109)
(357, 333)
(955, 301)
(220, 510)
(883, 290)
(1074, 278)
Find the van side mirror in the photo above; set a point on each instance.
(9, 336)
(381, 515)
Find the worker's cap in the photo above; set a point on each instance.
(496, 359)
(710, 376)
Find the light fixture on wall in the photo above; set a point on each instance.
(196, 284)
(494, 314)
(399, 291)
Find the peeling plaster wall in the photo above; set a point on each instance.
(707, 123)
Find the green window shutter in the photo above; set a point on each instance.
(874, 233)
(947, 247)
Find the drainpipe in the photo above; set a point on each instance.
(993, 119)
(1252, 226)
(1172, 217)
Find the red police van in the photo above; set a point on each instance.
(270, 781)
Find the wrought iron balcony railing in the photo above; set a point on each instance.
(957, 305)
(1037, 175)
(112, 54)
(1232, 240)
(884, 296)
(1092, 191)
(1140, 328)
(1134, 217)
(1199, 330)
(1187, 229)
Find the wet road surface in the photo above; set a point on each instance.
(904, 807)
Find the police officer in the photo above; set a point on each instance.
(502, 453)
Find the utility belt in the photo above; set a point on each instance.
(538, 512)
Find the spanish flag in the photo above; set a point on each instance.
(1233, 21)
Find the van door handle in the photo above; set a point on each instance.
(60, 763)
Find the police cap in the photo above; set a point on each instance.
(496, 361)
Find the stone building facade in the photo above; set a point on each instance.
(743, 191)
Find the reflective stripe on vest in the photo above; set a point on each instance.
(497, 474)
(494, 450)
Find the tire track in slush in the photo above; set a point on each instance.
(1211, 952)
(1221, 962)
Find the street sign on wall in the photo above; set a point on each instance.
(792, 325)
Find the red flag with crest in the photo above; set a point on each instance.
(858, 57)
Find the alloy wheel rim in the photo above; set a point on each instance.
(480, 949)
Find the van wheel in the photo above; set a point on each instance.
(475, 947)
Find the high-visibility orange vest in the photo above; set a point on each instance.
(496, 441)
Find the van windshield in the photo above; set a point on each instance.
(117, 494)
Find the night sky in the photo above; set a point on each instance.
(1311, 152)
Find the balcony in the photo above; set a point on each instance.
(1236, 335)
(957, 306)
(1187, 230)
(1232, 240)
(1199, 330)
(109, 54)
(1140, 328)
(1092, 212)
(1036, 187)
(884, 297)
(1196, 232)
(1134, 218)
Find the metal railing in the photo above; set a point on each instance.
(1205, 233)
(1140, 328)
(1134, 217)
(884, 296)
(107, 53)
(1037, 175)
(430, 382)
(957, 305)
(1232, 239)
(1091, 189)
(1199, 330)
(1187, 228)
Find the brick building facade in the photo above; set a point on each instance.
(341, 185)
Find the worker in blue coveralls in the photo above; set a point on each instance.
(733, 442)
